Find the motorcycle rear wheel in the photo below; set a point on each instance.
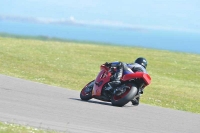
(126, 97)
(84, 94)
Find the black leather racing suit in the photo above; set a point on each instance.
(123, 68)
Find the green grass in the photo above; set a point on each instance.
(175, 76)
(15, 128)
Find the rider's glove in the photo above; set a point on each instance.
(107, 64)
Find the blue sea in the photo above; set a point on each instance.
(158, 39)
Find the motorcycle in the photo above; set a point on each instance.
(131, 86)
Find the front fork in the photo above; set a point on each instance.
(89, 87)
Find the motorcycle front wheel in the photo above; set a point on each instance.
(126, 97)
(86, 92)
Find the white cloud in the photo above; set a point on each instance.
(72, 18)
(105, 23)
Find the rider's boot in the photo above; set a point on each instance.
(113, 84)
(115, 79)
(136, 101)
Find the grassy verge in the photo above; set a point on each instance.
(175, 76)
(14, 128)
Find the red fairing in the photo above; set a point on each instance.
(102, 78)
(104, 67)
(145, 76)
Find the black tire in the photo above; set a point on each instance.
(125, 97)
(86, 95)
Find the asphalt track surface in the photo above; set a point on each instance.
(54, 108)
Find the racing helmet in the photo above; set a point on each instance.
(142, 61)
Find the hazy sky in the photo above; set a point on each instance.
(181, 15)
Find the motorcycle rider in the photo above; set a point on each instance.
(139, 65)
